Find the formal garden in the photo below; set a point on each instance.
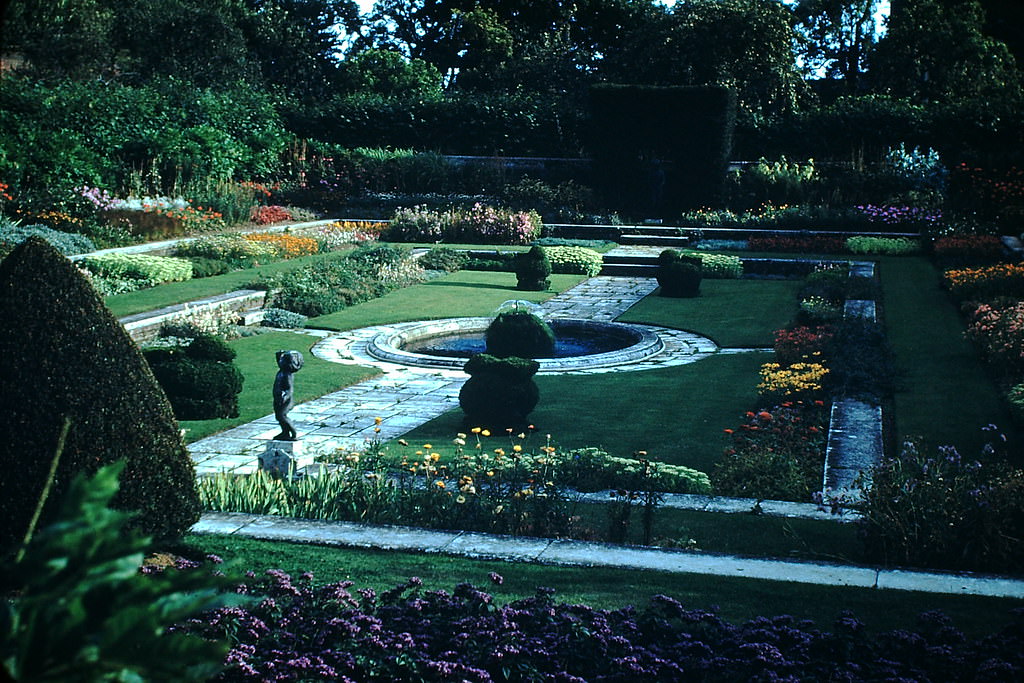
(787, 249)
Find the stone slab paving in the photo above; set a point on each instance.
(587, 554)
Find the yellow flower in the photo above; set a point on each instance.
(439, 484)
(475, 430)
(378, 420)
(517, 448)
(486, 432)
(435, 457)
(427, 446)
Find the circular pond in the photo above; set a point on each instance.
(580, 344)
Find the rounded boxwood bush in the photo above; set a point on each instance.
(500, 392)
(532, 270)
(201, 381)
(519, 333)
(678, 275)
(68, 358)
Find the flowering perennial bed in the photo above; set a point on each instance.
(298, 631)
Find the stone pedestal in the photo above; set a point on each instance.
(281, 458)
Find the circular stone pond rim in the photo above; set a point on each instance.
(387, 346)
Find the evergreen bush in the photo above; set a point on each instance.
(519, 333)
(444, 259)
(500, 392)
(574, 260)
(201, 381)
(68, 358)
(279, 317)
(532, 270)
(67, 243)
(679, 275)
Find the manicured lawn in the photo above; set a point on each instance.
(257, 363)
(736, 599)
(676, 414)
(733, 313)
(945, 393)
(172, 293)
(461, 294)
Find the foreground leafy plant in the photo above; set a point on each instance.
(83, 610)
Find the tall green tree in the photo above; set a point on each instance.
(61, 38)
(936, 50)
(743, 44)
(836, 37)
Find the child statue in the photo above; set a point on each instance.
(288, 363)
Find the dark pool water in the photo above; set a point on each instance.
(572, 338)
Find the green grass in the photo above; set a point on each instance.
(733, 313)
(736, 599)
(746, 534)
(676, 414)
(257, 363)
(461, 294)
(945, 392)
(154, 298)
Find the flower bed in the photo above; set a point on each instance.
(295, 630)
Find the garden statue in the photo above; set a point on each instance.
(288, 363)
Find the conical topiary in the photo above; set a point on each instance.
(65, 356)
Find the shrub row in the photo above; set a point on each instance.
(139, 266)
(479, 224)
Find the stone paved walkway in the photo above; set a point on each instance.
(588, 554)
(406, 397)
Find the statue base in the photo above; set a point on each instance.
(282, 458)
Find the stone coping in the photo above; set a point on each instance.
(387, 346)
(565, 552)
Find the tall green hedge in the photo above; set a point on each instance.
(67, 357)
(644, 136)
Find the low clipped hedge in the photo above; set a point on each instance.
(574, 260)
(718, 266)
(200, 380)
(884, 246)
(139, 266)
(234, 250)
(67, 243)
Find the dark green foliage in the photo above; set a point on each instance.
(860, 361)
(934, 508)
(66, 356)
(68, 243)
(660, 150)
(500, 392)
(532, 270)
(84, 611)
(443, 258)
(207, 267)
(279, 317)
(679, 275)
(519, 333)
(200, 380)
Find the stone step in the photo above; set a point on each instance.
(629, 269)
(655, 240)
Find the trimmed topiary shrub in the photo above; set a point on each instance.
(574, 260)
(532, 270)
(201, 381)
(68, 358)
(519, 333)
(500, 392)
(678, 275)
(279, 317)
(444, 259)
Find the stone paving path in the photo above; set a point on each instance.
(406, 397)
(588, 554)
